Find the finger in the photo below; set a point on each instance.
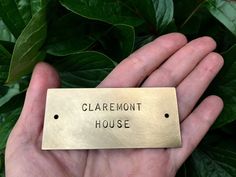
(193, 86)
(31, 119)
(196, 126)
(134, 69)
(178, 66)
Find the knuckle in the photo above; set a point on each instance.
(137, 62)
(213, 63)
(168, 76)
(135, 59)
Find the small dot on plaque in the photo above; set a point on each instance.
(56, 116)
(167, 115)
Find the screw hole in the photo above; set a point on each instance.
(167, 115)
(56, 116)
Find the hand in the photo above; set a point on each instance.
(167, 61)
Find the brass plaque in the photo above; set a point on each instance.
(111, 118)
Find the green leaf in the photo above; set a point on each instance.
(118, 41)
(71, 34)
(215, 157)
(8, 120)
(37, 5)
(114, 40)
(189, 15)
(110, 11)
(27, 8)
(3, 90)
(17, 13)
(27, 51)
(229, 129)
(85, 69)
(2, 163)
(3, 73)
(159, 13)
(5, 34)
(140, 41)
(9, 46)
(224, 11)
(5, 58)
(24, 8)
(15, 102)
(225, 87)
(12, 17)
(205, 165)
(12, 96)
(12, 91)
(9, 111)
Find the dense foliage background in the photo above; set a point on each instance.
(85, 39)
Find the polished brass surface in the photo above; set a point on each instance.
(111, 118)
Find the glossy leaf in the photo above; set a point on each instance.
(5, 58)
(8, 120)
(229, 129)
(9, 46)
(189, 15)
(215, 157)
(11, 16)
(71, 34)
(206, 166)
(3, 90)
(143, 40)
(85, 69)
(37, 5)
(159, 13)
(3, 72)
(118, 41)
(27, 8)
(2, 162)
(27, 51)
(110, 11)
(9, 113)
(224, 11)
(12, 96)
(5, 34)
(12, 91)
(24, 8)
(15, 102)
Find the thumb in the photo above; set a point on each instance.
(30, 122)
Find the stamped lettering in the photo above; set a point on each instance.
(111, 118)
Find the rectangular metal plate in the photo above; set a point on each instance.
(111, 118)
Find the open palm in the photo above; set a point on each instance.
(167, 61)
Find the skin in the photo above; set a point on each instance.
(168, 61)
